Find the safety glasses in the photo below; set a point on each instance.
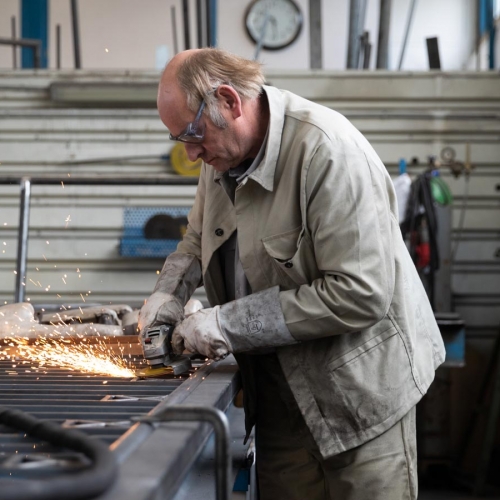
(194, 133)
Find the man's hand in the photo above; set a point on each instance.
(160, 309)
(201, 332)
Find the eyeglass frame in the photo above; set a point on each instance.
(193, 133)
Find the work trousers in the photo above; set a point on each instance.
(290, 467)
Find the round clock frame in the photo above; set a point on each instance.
(257, 8)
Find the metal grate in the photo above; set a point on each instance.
(98, 405)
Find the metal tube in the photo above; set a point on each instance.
(222, 438)
(22, 239)
(367, 51)
(26, 42)
(209, 22)
(199, 24)
(407, 31)
(128, 443)
(58, 46)
(174, 30)
(315, 35)
(185, 20)
(383, 34)
(13, 33)
(76, 34)
(356, 23)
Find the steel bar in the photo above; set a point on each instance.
(13, 33)
(315, 35)
(407, 31)
(185, 21)
(137, 434)
(76, 34)
(199, 24)
(26, 42)
(208, 19)
(22, 240)
(383, 34)
(58, 46)
(174, 30)
(357, 14)
(222, 438)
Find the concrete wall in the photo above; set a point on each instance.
(130, 34)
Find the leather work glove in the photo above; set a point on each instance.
(160, 309)
(201, 332)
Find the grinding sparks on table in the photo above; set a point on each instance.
(64, 353)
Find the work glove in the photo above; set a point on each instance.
(201, 332)
(254, 323)
(160, 309)
(180, 276)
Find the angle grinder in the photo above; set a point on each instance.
(156, 345)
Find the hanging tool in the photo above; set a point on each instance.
(156, 345)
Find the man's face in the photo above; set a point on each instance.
(219, 148)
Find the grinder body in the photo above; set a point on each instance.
(156, 345)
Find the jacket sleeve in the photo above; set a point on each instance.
(348, 222)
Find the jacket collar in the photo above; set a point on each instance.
(264, 173)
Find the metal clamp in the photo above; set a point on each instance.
(222, 438)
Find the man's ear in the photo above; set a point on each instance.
(229, 100)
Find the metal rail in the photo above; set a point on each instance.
(35, 45)
(222, 438)
(25, 200)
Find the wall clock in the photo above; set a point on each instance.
(281, 20)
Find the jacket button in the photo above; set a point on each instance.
(288, 265)
(219, 232)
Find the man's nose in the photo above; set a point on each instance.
(193, 151)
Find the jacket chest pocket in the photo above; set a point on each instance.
(292, 257)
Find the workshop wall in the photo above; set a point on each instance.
(137, 34)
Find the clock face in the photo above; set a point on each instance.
(280, 20)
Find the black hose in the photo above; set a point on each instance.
(80, 485)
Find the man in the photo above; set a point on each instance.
(294, 235)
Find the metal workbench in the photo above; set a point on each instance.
(154, 460)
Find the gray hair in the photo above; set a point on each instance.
(204, 70)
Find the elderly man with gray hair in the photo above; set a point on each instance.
(294, 235)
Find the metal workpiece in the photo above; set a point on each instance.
(220, 425)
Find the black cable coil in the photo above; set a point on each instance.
(79, 485)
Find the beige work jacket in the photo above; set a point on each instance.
(318, 218)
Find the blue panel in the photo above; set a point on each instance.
(452, 330)
(34, 24)
(135, 244)
(242, 480)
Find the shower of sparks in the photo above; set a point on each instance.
(68, 220)
(64, 353)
